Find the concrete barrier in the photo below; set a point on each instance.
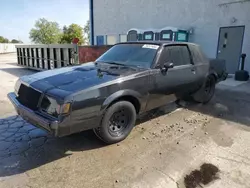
(44, 57)
(7, 48)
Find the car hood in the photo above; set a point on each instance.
(77, 78)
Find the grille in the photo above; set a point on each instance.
(28, 97)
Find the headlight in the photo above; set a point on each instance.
(65, 108)
(17, 86)
(52, 107)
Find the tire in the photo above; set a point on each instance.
(206, 92)
(241, 75)
(118, 121)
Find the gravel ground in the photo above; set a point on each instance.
(189, 145)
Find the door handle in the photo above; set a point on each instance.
(193, 70)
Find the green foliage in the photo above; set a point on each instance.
(45, 32)
(86, 30)
(15, 41)
(3, 40)
(71, 32)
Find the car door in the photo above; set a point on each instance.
(174, 82)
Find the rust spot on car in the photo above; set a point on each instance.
(197, 178)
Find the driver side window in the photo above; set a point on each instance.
(177, 54)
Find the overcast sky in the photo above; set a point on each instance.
(17, 17)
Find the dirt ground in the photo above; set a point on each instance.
(185, 146)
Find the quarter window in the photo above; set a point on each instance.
(197, 54)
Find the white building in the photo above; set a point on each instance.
(221, 27)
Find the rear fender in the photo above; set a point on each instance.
(214, 73)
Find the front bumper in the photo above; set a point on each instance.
(33, 117)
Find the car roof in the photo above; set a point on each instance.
(161, 43)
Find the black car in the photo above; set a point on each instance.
(108, 94)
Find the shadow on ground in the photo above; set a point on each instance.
(18, 72)
(231, 106)
(24, 147)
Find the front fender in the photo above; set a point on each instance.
(119, 94)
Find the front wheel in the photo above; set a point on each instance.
(206, 92)
(117, 122)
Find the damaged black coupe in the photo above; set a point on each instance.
(108, 94)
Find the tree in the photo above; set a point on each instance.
(15, 41)
(3, 40)
(45, 32)
(86, 30)
(71, 32)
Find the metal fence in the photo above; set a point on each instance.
(45, 57)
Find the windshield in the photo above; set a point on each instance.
(139, 55)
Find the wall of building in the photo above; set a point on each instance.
(115, 17)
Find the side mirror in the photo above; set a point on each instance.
(168, 65)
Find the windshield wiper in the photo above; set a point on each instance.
(110, 62)
(119, 64)
(114, 63)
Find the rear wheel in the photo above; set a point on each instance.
(206, 92)
(117, 122)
